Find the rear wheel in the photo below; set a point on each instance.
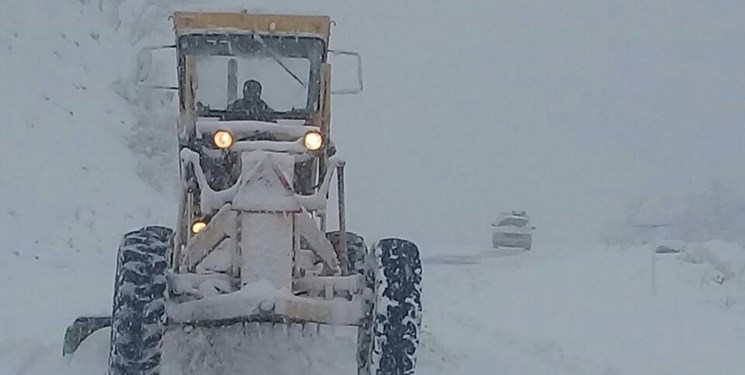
(139, 318)
(388, 341)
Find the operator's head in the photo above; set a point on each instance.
(252, 89)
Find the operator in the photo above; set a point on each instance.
(251, 101)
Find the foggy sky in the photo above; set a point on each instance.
(567, 109)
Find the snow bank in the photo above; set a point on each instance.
(68, 183)
(720, 269)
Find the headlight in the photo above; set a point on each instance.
(198, 226)
(313, 140)
(223, 139)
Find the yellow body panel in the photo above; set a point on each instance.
(191, 22)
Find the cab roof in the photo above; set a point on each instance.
(268, 24)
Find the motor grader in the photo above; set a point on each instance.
(251, 244)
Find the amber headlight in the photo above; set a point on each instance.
(198, 226)
(313, 140)
(223, 139)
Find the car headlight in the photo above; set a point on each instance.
(313, 140)
(223, 139)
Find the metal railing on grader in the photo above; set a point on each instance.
(251, 243)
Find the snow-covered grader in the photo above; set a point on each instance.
(251, 244)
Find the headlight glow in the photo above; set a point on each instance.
(198, 226)
(313, 140)
(223, 139)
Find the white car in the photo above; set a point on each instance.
(513, 230)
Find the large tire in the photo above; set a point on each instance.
(356, 249)
(388, 341)
(139, 317)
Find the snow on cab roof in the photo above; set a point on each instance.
(199, 22)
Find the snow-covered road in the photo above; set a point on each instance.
(583, 311)
(549, 311)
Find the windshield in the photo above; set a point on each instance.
(279, 90)
(513, 221)
(251, 75)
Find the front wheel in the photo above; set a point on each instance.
(388, 341)
(139, 317)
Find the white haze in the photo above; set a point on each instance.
(569, 110)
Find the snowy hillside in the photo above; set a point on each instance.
(84, 157)
(68, 186)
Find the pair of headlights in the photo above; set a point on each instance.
(313, 140)
(223, 139)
